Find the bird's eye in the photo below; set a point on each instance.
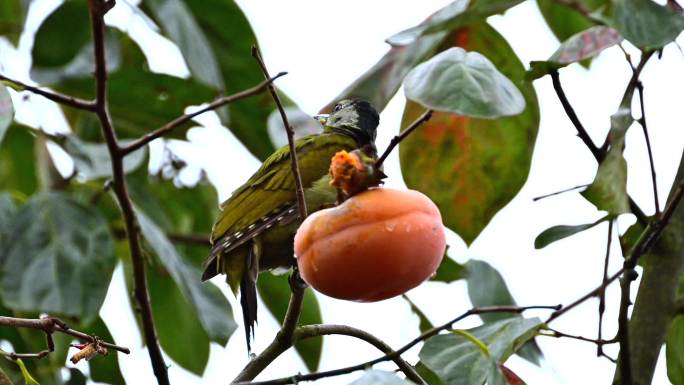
(337, 107)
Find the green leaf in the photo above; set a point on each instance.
(425, 323)
(455, 15)
(486, 287)
(25, 373)
(457, 361)
(556, 233)
(12, 16)
(674, 351)
(59, 259)
(608, 191)
(230, 38)
(210, 305)
(577, 48)
(181, 333)
(565, 21)
(92, 160)
(6, 111)
(62, 35)
(164, 97)
(449, 271)
(647, 24)
(379, 377)
(428, 375)
(464, 83)
(106, 368)
(181, 27)
(17, 161)
(274, 291)
(7, 210)
(76, 377)
(379, 84)
(472, 167)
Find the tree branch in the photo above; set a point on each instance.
(604, 284)
(222, 101)
(642, 122)
(398, 138)
(51, 325)
(309, 331)
(397, 353)
(97, 10)
(54, 96)
(284, 338)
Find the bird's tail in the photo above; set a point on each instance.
(248, 295)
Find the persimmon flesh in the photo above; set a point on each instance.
(375, 245)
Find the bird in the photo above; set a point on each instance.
(256, 225)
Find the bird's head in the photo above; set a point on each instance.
(353, 117)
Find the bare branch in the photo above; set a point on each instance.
(387, 357)
(604, 284)
(398, 138)
(51, 325)
(54, 96)
(222, 101)
(97, 10)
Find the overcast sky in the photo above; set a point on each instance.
(298, 37)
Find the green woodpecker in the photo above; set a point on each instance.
(255, 229)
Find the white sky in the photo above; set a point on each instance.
(297, 36)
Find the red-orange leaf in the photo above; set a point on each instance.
(471, 167)
(511, 377)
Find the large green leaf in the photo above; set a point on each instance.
(180, 25)
(577, 48)
(556, 233)
(379, 377)
(565, 21)
(464, 83)
(647, 24)
(275, 291)
(62, 35)
(608, 191)
(211, 307)
(6, 110)
(59, 258)
(164, 97)
(674, 351)
(105, 368)
(472, 167)
(92, 160)
(12, 15)
(229, 36)
(17, 161)
(458, 361)
(180, 332)
(379, 84)
(486, 287)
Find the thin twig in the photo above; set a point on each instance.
(301, 203)
(398, 138)
(54, 96)
(51, 325)
(604, 284)
(643, 244)
(284, 337)
(424, 336)
(642, 122)
(97, 10)
(559, 192)
(599, 153)
(168, 127)
(186, 238)
(309, 331)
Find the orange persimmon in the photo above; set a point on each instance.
(375, 245)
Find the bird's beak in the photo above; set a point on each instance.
(322, 118)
